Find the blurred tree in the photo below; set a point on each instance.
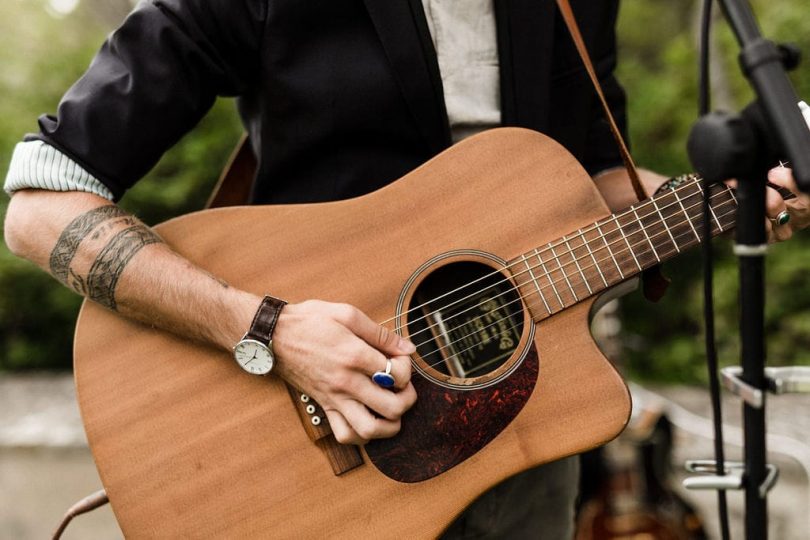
(658, 66)
(42, 57)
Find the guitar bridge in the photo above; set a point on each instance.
(342, 457)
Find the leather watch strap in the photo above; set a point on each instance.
(264, 322)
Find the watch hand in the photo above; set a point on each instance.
(252, 359)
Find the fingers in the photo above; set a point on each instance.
(330, 351)
(799, 205)
(783, 198)
(390, 405)
(378, 336)
(774, 206)
(356, 425)
(378, 416)
(783, 176)
(379, 345)
(358, 356)
(343, 432)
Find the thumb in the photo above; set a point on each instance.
(381, 338)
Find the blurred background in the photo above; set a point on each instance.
(45, 45)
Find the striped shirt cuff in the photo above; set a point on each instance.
(37, 165)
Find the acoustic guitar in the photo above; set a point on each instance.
(491, 258)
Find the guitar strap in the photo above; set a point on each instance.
(573, 28)
(653, 283)
(235, 182)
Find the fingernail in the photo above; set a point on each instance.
(406, 346)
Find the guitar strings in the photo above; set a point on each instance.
(508, 317)
(581, 269)
(575, 260)
(619, 252)
(581, 234)
(488, 326)
(447, 345)
(538, 291)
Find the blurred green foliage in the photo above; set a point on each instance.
(658, 67)
(42, 53)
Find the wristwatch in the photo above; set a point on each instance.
(254, 352)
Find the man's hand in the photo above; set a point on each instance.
(330, 352)
(798, 208)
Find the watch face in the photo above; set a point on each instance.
(253, 356)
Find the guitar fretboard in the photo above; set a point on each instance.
(561, 273)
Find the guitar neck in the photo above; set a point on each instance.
(609, 251)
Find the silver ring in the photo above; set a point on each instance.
(782, 218)
(384, 378)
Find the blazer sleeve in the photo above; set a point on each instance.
(602, 150)
(152, 81)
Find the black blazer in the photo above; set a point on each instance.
(340, 97)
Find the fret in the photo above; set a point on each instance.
(604, 239)
(526, 287)
(676, 220)
(657, 230)
(731, 192)
(576, 262)
(536, 285)
(587, 244)
(666, 227)
(625, 255)
(633, 236)
(647, 236)
(729, 204)
(686, 214)
(643, 230)
(692, 199)
(711, 208)
(550, 278)
(564, 274)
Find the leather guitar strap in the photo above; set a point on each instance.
(573, 28)
(653, 283)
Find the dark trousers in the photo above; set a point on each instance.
(535, 504)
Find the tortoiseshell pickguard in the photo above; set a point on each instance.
(446, 426)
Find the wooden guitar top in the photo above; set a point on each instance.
(188, 445)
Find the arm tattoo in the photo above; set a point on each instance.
(100, 282)
(76, 231)
(110, 263)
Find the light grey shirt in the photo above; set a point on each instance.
(464, 38)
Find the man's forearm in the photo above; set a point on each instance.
(109, 256)
(616, 189)
(326, 350)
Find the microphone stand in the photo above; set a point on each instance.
(744, 146)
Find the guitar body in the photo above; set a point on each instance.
(188, 445)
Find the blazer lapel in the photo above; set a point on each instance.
(525, 42)
(403, 31)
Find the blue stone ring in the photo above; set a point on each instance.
(384, 378)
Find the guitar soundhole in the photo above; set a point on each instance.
(466, 319)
